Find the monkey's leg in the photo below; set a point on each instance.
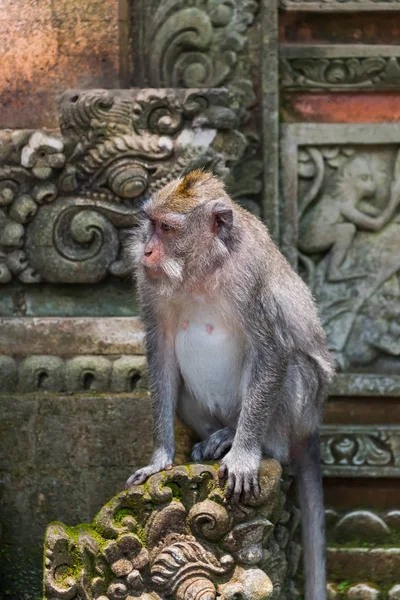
(344, 234)
(215, 446)
(196, 416)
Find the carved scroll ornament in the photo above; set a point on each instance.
(338, 68)
(66, 197)
(176, 537)
(197, 43)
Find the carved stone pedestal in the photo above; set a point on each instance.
(176, 536)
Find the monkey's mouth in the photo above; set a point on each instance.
(154, 272)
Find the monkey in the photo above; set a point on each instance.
(333, 223)
(234, 346)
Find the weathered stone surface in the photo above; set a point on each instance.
(68, 337)
(394, 592)
(69, 197)
(332, 592)
(61, 458)
(380, 565)
(361, 525)
(169, 537)
(336, 68)
(363, 591)
(350, 6)
(361, 450)
(94, 373)
(46, 47)
(350, 262)
(107, 298)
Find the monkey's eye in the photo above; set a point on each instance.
(166, 226)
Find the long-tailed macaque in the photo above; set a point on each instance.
(234, 346)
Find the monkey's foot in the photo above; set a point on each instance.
(141, 475)
(214, 446)
(241, 471)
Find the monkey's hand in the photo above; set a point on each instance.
(158, 463)
(241, 470)
(214, 446)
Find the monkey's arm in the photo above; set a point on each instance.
(266, 371)
(364, 221)
(164, 384)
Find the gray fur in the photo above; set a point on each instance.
(285, 364)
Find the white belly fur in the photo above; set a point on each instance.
(210, 357)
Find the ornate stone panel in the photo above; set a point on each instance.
(67, 197)
(350, 6)
(200, 43)
(361, 450)
(341, 228)
(339, 68)
(177, 537)
(212, 43)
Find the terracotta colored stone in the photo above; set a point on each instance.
(47, 47)
(339, 28)
(341, 108)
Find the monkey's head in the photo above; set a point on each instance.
(186, 231)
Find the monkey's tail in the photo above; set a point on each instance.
(309, 482)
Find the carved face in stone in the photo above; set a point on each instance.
(356, 174)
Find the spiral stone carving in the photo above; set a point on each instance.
(66, 196)
(150, 545)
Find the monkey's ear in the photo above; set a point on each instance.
(222, 218)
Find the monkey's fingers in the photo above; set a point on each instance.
(137, 478)
(239, 487)
(231, 486)
(222, 449)
(251, 488)
(197, 452)
(142, 474)
(222, 471)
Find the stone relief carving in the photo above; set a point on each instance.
(176, 537)
(117, 374)
(66, 197)
(206, 43)
(363, 527)
(365, 451)
(339, 68)
(196, 44)
(349, 252)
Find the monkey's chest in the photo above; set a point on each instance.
(210, 358)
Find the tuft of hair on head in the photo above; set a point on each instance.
(191, 190)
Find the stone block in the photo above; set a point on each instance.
(61, 458)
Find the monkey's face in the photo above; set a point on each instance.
(186, 232)
(177, 248)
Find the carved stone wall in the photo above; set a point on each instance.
(342, 230)
(66, 197)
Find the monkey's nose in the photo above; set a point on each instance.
(148, 252)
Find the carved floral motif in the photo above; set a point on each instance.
(196, 43)
(363, 450)
(350, 73)
(176, 537)
(65, 198)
